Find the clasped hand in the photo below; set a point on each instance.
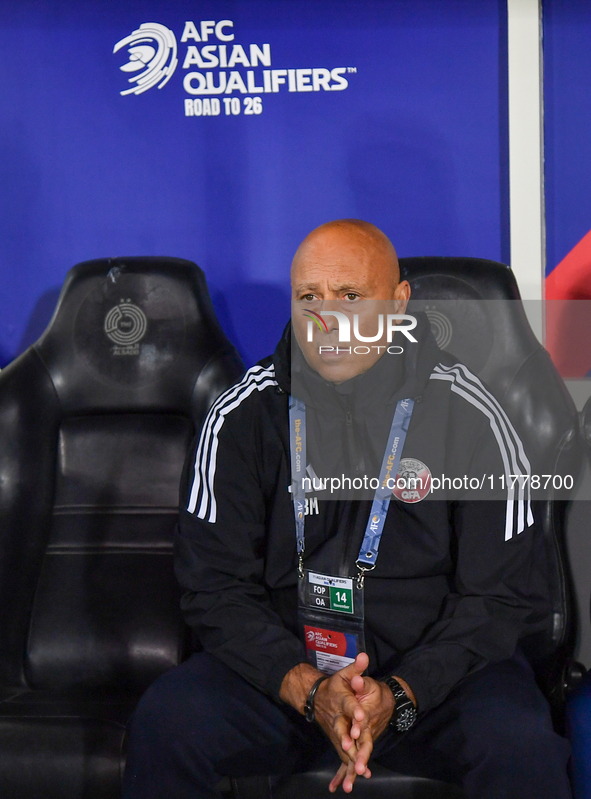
(351, 709)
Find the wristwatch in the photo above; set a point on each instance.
(405, 713)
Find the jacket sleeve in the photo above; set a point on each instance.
(220, 554)
(484, 615)
(493, 590)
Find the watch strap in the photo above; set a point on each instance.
(405, 712)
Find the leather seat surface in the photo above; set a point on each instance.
(96, 419)
(383, 784)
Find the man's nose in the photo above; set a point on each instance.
(332, 323)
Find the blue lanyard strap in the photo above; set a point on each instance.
(368, 554)
(297, 447)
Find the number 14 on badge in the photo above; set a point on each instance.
(330, 593)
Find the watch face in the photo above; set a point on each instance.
(405, 719)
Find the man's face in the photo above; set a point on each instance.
(343, 270)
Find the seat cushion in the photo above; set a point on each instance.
(383, 784)
(124, 629)
(106, 608)
(63, 746)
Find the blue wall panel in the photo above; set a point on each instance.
(567, 117)
(413, 144)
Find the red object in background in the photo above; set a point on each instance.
(568, 316)
(571, 279)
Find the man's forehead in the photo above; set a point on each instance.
(349, 265)
(340, 245)
(344, 257)
(339, 276)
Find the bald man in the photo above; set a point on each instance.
(424, 618)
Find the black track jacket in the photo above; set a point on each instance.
(455, 585)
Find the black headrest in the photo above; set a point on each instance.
(131, 334)
(586, 425)
(476, 314)
(452, 278)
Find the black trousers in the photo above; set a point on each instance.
(201, 721)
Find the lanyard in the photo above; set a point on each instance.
(368, 553)
(297, 448)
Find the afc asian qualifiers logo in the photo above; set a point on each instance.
(154, 50)
(126, 325)
(413, 481)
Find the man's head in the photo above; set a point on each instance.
(348, 266)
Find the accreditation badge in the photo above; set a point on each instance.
(331, 619)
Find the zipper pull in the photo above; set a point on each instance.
(348, 418)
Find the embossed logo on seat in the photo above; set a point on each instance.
(126, 325)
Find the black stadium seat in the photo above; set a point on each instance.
(95, 422)
(476, 313)
(486, 327)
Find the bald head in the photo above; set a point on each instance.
(351, 267)
(347, 248)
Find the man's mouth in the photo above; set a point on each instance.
(330, 353)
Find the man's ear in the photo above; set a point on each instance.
(402, 296)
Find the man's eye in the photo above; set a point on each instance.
(309, 297)
(351, 296)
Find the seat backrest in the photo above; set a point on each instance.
(476, 313)
(586, 426)
(95, 422)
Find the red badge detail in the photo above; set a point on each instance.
(413, 481)
(325, 641)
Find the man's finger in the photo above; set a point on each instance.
(338, 778)
(364, 750)
(360, 684)
(347, 772)
(355, 730)
(358, 666)
(341, 731)
(353, 709)
(350, 777)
